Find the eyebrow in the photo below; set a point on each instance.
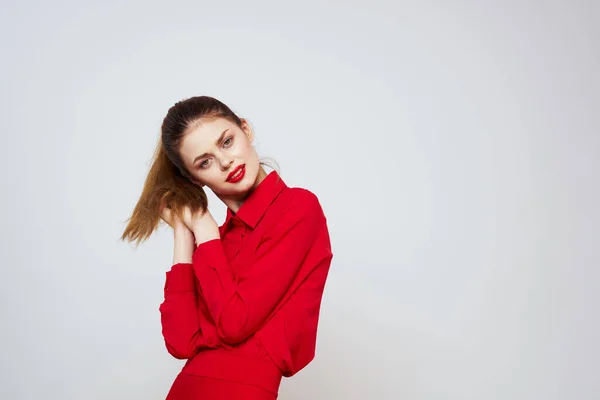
(219, 140)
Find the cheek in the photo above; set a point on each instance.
(252, 163)
(246, 148)
(205, 178)
(251, 154)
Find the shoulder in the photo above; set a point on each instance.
(294, 210)
(302, 195)
(303, 202)
(300, 198)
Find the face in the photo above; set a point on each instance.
(220, 155)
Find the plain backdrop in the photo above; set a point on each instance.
(455, 148)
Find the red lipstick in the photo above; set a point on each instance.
(237, 174)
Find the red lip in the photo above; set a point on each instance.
(232, 173)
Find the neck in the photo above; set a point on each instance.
(234, 203)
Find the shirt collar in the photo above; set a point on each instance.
(259, 200)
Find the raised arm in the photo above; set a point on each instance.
(179, 314)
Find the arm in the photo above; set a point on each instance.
(240, 304)
(178, 312)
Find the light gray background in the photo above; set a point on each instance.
(455, 149)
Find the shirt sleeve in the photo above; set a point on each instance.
(239, 305)
(179, 314)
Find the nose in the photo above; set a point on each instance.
(225, 163)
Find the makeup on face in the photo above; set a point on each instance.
(237, 174)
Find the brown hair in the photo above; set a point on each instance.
(169, 183)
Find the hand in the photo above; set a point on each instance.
(202, 224)
(184, 240)
(173, 220)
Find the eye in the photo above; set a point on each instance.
(203, 164)
(228, 141)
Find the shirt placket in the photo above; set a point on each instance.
(235, 238)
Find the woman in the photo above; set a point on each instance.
(241, 300)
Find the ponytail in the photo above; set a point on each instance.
(165, 185)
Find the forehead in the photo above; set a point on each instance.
(202, 135)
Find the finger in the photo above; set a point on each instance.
(166, 215)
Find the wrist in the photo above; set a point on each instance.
(204, 234)
(183, 245)
(182, 231)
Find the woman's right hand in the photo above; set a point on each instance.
(200, 222)
(172, 219)
(184, 243)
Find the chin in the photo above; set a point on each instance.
(239, 188)
(247, 183)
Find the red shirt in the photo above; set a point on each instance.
(247, 307)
